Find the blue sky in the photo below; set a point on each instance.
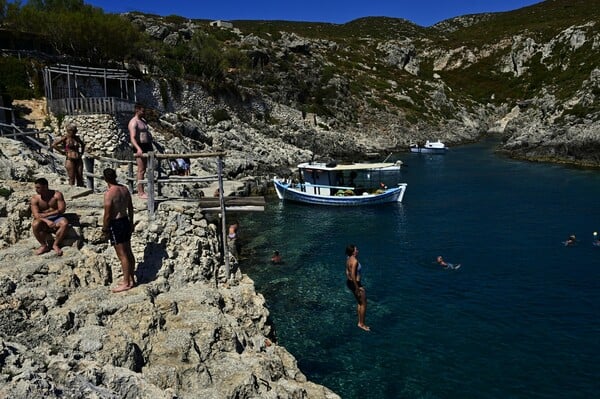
(421, 12)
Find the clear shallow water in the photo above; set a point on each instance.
(519, 319)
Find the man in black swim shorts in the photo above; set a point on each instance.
(118, 226)
(119, 231)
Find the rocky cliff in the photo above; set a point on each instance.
(377, 84)
(185, 331)
(273, 93)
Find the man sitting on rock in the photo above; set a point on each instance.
(47, 208)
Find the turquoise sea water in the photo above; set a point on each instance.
(519, 319)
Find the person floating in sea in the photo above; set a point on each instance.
(47, 208)
(72, 146)
(571, 240)
(353, 269)
(276, 258)
(596, 241)
(118, 226)
(440, 261)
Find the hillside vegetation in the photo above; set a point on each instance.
(376, 74)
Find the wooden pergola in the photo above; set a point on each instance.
(73, 101)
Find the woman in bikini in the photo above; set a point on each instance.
(72, 146)
(353, 269)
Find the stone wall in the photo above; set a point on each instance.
(102, 134)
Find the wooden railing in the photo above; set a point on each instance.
(89, 105)
(30, 135)
(154, 182)
(89, 162)
(12, 114)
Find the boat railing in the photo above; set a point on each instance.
(322, 189)
(327, 186)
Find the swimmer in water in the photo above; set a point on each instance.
(276, 258)
(572, 240)
(440, 261)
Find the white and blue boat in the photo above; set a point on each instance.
(344, 185)
(430, 147)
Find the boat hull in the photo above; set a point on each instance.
(297, 193)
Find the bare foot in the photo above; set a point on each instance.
(42, 250)
(143, 195)
(364, 327)
(57, 249)
(122, 287)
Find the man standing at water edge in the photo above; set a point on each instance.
(141, 141)
(118, 226)
(48, 207)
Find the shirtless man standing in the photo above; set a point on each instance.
(141, 140)
(47, 207)
(118, 226)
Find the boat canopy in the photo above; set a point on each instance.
(434, 144)
(354, 166)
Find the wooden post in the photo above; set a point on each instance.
(130, 176)
(88, 164)
(158, 176)
(150, 180)
(69, 82)
(223, 219)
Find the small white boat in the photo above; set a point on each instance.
(344, 185)
(430, 147)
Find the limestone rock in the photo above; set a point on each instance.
(185, 331)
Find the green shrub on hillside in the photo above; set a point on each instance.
(234, 58)
(5, 192)
(14, 79)
(73, 28)
(216, 58)
(220, 115)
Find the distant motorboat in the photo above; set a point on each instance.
(430, 147)
(344, 185)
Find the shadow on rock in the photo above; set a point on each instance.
(148, 269)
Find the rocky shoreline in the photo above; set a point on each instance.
(185, 331)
